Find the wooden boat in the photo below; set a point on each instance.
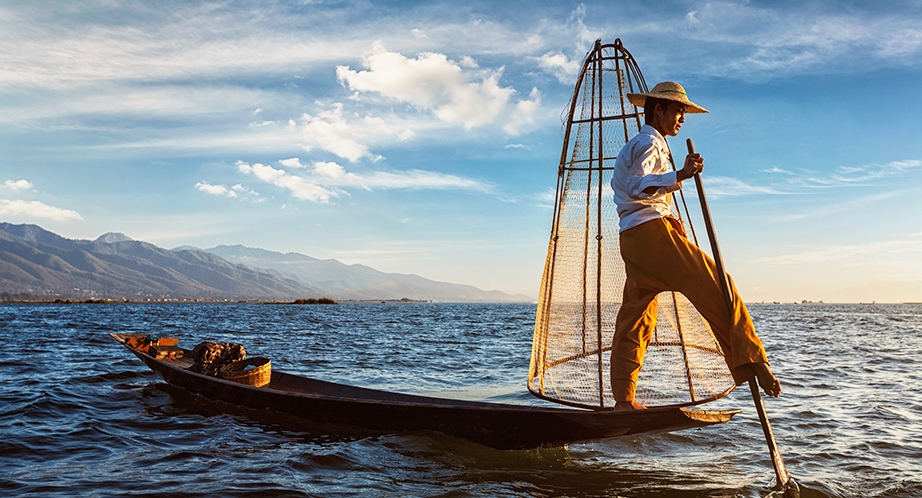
(503, 426)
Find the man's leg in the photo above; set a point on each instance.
(733, 328)
(633, 330)
(668, 261)
(636, 316)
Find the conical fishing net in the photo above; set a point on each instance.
(584, 276)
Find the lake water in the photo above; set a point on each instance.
(80, 415)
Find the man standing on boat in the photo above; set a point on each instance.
(658, 257)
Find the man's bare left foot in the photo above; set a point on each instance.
(628, 405)
(767, 379)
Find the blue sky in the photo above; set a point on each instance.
(423, 137)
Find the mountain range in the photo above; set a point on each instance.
(356, 281)
(37, 262)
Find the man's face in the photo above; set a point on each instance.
(670, 118)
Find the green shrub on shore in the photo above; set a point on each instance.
(322, 300)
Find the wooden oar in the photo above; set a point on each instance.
(781, 473)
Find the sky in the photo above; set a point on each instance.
(424, 137)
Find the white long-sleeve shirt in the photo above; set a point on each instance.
(642, 163)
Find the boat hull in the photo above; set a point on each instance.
(503, 426)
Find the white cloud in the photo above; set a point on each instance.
(331, 170)
(431, 82)
(839, 254)
(559, 65)
(294, 162)
(721, 186)
(203, 41)
(181, 102)
(523, 116)
(904, 41)
(217, 141)
(406, 135)
(420, 179)
(845, 175)
(219, 190)
(779, 42)
(852, 174)
(837, 207)
(545, 199)
(297, 185)
(36, 209)
(776, 169)
(18, 184)
(565, 68)
(328, 130)
(350, 136)
(234, 192)
(243, 190)
(468, 62)
(326, 178)
(792, 182)
(332, 174)
(142, 44)
(584, 34)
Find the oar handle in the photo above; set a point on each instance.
(712, 237)
(781, 473)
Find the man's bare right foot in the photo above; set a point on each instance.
(767, 379)
(628, 405)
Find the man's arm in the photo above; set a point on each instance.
(694, 164)
(641, 181)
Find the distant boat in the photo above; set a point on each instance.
(503, 426)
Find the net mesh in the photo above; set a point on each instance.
(583, 280)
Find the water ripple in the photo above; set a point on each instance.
(79, 415)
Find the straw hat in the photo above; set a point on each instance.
(667, 90)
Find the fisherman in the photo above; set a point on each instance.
(658, 257)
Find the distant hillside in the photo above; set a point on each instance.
(38, 262)
(358, 281)
(34, 261)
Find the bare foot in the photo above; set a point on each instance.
(767, 379)
(621, 406)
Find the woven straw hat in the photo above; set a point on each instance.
(667, 90)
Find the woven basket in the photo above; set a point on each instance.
(258, 376)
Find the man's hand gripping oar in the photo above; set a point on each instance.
(787, 485)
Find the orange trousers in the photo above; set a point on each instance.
(658, 257)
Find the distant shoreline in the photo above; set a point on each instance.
(20, 299)
(298, 301)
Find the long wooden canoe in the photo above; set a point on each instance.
(503, 426)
